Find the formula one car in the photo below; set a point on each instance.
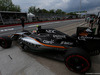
(76, 49)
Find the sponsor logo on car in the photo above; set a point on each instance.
(66, 43)
(48, 42)
(59, 36)
(50, 31)
(86, 37)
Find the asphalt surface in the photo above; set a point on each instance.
(14, 61)
(13, 29)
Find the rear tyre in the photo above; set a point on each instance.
(77, 60)
(5, 42)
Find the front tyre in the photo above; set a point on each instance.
(77, 60)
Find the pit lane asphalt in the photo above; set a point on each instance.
(30, 27)
(14, 61)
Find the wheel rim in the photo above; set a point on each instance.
(77, 63)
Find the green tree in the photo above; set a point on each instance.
(35, 10)
(59, 11)
(7, 5)
(44, 11)
(17, 7)
(52, 11)
(63, 12)
(39, 10)
(32, 9)
(14, 8)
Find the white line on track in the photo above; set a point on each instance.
(7, 30)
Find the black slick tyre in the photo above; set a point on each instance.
(77, 60)
(5, 42)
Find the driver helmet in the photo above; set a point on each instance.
(34, 31)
